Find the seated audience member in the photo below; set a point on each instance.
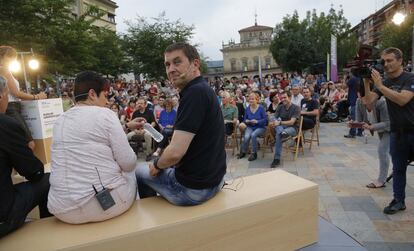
(230, 113)
(322, 89)
(254, 125)
(296, 95)
(67, 101)
(274, 98)
(120, 114)
(16, 201)
(376, 119)
(166, 123)
(285, 124)
(138, 135)
(130, 109)
(90, 155)
(330, 92)
(158, 106)
(309, 110)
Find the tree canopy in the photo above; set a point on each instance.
(297, 44)
(65, 44)
(147, 38)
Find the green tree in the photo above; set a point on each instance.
(65, 45)
(110, 53)
(400, 36)
(146, 41)
(291, 47)
(299, 44)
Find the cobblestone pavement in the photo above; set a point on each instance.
(342, 167)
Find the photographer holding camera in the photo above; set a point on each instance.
(398, 89)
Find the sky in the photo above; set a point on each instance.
(218, 21)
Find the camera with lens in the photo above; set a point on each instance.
(368, 65)
(363, 63)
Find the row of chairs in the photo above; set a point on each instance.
(268, 140)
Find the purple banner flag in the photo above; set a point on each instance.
(334, 67)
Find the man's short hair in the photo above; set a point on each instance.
(3, 84)
(189, 51)
(288, 93)
(393, 50)
(141, 98)
(86, 81)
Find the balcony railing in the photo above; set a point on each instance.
(246, 45)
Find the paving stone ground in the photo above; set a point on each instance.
(342, 167)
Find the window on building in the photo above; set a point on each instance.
(250, 34)
(233, 64)
(111, 17)
(244, 64)
(268, 62)
(256, 63)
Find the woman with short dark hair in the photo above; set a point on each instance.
(92, 162)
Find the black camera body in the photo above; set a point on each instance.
(363, 63)
(365, 70)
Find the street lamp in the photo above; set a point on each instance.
(398, 19)
(33, 63)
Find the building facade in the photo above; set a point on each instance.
(251, 56)
(108, 7)
(369, 30)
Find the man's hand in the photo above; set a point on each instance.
(253, 121)
(367, 126)
(153, 171)
(41, 95)
(275, 123)
(136, 123)
(376, 77)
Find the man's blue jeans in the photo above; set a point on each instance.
(278, 144)
(168, 187)
(401, 146)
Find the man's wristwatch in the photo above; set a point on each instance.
(155, 163)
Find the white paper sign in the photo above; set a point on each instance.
(41, 115)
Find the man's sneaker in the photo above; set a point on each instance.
(252, 157)
(275, 163)
(285, 136)
(394, 207)
(349, 136)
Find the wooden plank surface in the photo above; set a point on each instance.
(273, 209)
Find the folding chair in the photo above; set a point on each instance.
(298, 139)
(314, 132)
(234, 143)
(268, 140)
